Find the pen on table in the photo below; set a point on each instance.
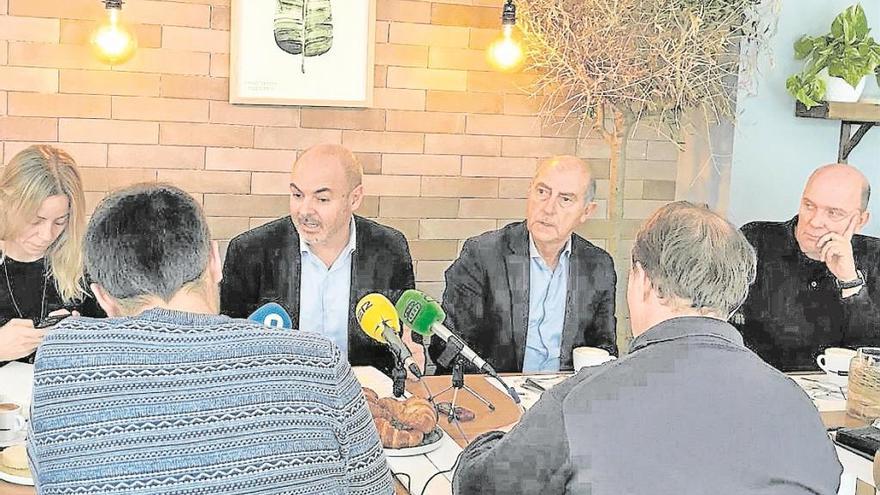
(822, 384)
(529, 383)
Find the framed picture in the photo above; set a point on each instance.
(302, 52)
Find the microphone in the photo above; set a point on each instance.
(271, 315)
(377, 318)
(425, 316)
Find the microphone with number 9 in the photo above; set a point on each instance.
(377, 318)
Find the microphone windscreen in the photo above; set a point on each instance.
(271, 315)
(371, 311)
(419, 311)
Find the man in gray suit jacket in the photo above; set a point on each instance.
(523, 296)
(690, 410)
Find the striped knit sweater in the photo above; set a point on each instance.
(182, 404)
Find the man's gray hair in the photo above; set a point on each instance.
(147, 240)
(696, 256)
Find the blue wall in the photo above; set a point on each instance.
(774, 151)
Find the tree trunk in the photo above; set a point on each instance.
(617, 180)
(617, 139)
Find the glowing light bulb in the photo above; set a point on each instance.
(112, 42)
(505, 53)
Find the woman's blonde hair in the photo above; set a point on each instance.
(33, 175)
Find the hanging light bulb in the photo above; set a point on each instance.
(506, 53)
(112, 42)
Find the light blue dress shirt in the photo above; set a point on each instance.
(547, 293)
(324, 292)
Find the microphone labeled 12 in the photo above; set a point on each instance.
(425, 317)
(377, 318)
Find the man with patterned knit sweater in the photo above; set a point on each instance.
(166, 396)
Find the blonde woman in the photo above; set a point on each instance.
(42, 220)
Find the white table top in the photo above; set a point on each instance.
(16, 379)
(829, 397)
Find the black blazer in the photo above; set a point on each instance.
(487, 298)
(263, 265)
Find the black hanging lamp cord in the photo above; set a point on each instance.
(508, 14)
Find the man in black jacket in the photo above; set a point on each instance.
(319, 261)
(525, 295)
(817, 283)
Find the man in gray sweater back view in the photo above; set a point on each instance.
(690, 410)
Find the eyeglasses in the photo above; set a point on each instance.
(564, 201)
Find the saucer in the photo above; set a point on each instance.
(20, 437)
(835, 379)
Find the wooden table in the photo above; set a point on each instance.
(505, 414)
(10, 489)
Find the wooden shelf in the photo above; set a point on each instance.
(851, 112)
(865, 115)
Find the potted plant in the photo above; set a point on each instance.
(836, 63)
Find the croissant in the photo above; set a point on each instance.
(377, 411)
(401, 423)
(418, 414)
(396, 438)
(393, 405)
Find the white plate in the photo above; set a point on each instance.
(18, 480)
(433, 444)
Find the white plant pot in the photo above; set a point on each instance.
(837, 89)
(871, 94)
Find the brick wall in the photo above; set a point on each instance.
(448, 149)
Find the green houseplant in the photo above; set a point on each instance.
(847, 52)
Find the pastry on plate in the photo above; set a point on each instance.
(401, 423)
(13, 460)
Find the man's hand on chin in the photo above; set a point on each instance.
(837, 254)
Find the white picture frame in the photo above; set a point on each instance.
(267, 66)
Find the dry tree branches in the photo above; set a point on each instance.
(641, 58)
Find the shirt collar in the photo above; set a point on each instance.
(687, 326)
(348, 249)
(534, 253)
(791, 246)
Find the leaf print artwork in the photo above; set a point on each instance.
(304, 27)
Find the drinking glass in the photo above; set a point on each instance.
(863, 394)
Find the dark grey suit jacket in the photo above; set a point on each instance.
(487, 298)
(263, 265)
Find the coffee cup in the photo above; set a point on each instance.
(589, 356)
(12, 423)
(834, 361)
